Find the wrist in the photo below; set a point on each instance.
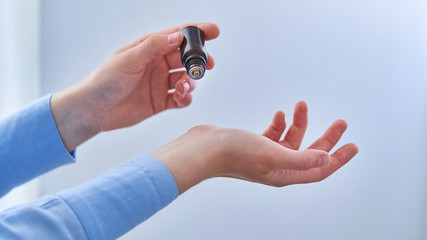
(73, 116)
(194, 157)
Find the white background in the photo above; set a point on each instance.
(19, 73)
(361, 60)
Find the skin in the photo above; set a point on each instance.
(136, 83)
(130, 86)
(207, 151)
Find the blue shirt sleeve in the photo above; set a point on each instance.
(104, 208)
(30, 145)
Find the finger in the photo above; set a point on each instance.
(297, 130)
(181, 82)
(210, 63)
(174, 60)
(338, 159)
(177, 76)
(154, 46)
(175, 100)
(299, 160)
(210, 30)
(331, 137)
(277, 127)
(185, 86)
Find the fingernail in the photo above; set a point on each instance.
(323, 160)
(173, 37)
(186, 86)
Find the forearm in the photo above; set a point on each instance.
(73, 116)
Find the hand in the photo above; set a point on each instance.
(132, 85)
(207, 151)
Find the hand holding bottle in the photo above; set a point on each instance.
(132, 85)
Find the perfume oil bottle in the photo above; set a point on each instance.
(193, 52)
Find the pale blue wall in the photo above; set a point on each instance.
(361, 60)
(19, 73)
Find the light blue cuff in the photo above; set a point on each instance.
(30, 145)
(114, 203)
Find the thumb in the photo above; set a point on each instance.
(304, 160)
(156, 45)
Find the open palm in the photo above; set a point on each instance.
(293, 139)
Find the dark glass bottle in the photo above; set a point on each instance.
(193, 52)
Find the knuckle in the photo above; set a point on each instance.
(152, 40)
(202, 129)
(304, 165)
